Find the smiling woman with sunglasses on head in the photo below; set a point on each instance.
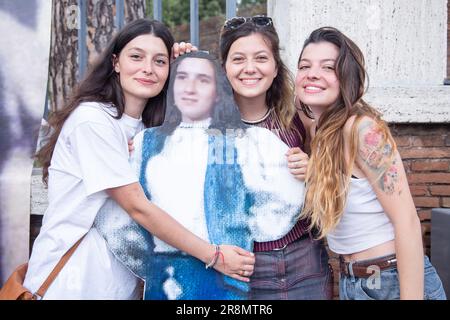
(295, 266)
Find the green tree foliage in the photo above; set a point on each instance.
(176, 12)
(252, 2)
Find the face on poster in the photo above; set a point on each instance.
(194, 89)
(225, 181)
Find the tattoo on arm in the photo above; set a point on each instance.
(378, 156)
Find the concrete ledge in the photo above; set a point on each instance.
(412, 104)
(39, 200)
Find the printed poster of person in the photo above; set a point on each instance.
(24, 54)
(225, 181)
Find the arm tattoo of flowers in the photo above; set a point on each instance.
(378, 156)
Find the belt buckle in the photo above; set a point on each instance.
(281, 248)
(350, 268)
(391, 261)
(347, 267)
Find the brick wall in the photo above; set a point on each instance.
(425, 150)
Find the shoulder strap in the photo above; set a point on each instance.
(44, 287)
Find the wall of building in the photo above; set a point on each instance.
(448, 41)
(404, 42)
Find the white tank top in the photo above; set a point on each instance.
(363, 224)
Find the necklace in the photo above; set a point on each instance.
(204, 124)
(258, 120)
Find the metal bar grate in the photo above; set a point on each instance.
(157, 10)
(195, 34)
(230, 9)
(120, 13)
(82, 47)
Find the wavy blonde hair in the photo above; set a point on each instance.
(328, 174)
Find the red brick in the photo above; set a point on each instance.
(440, 190)
(429, 141)
(422, 229)
(429, 165)
(407, 166)
(426, 248)
(421, 153)
(403, 141)
(446, 202)
(417, 178)
(419, 190)
(426, 227)
(426, 202)
(424, 215)
(426, 242)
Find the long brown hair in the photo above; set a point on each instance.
(102, 85)
(328, 174)
(280, 95)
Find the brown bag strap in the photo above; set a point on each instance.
(43, 289)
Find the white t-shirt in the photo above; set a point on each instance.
(90, 156)
(185, 156)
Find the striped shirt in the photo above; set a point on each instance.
(293, 138)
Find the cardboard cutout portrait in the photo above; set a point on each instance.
(223, 180)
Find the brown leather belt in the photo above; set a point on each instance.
(366, 268)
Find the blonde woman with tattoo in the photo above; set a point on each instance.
(357, 191)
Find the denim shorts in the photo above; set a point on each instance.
(300, 271)
(388, 287)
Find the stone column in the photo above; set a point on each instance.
(404, 43)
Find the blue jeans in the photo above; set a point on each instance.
(300, 271)
(354, 288)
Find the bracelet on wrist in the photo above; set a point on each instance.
(215, 257)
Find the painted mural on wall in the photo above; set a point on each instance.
(24, 54)
(225, 181)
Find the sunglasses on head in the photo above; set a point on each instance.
(259, 21)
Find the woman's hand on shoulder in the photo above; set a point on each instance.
(235, 262)
(181, 48)
(297, 163)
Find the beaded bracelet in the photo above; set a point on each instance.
(214, 259)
